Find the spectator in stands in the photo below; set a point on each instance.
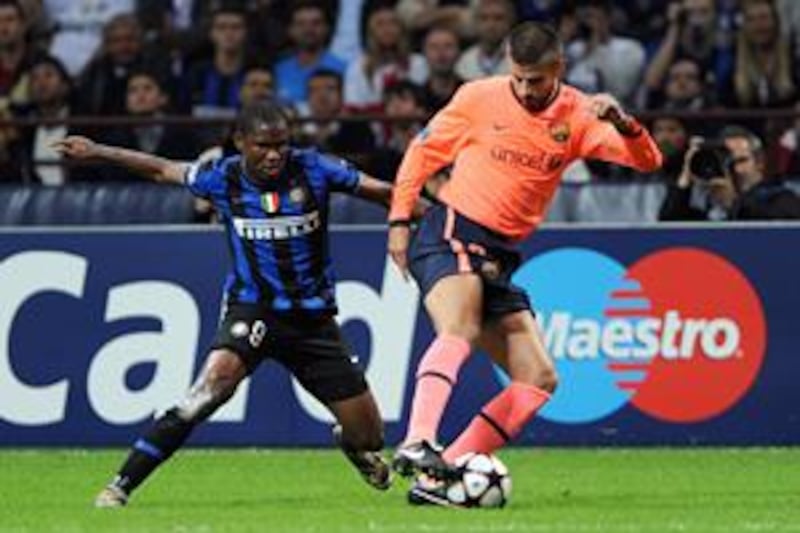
(147, 97)
(765, 69)
(346, 41)
(544, 10)
(15, 55)
(404, 105)
(182, 26)
(179, 29)
(789, 11)
(643, 20)
(692, 32)
(672, 137)
(566, 23)
(441, 49)
(269, 23)
(38, 24)
(258, 85)
(386, 60)
(419, 16)
(741, 191)
(101, 89)
(213, 86)
(599, 61)
(50, 98)
(353, 140)
(309, 31)
(487, 57)
(686, 88)
(80, 27)
(787, 149)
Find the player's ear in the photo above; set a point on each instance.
(238, 140)
(560, 67)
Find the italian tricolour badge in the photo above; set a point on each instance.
(270, 201)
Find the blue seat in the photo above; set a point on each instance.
(112, 203)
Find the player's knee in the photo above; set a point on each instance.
(205, 397)
(543, 378)
(468, 331)
(547, 379)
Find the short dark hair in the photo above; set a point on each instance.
(153, 75)
(229, 8)
(259, 114)
(52, 61)
(16, 5)
(442, 28)
(254, 66)
(405, 88)
(327, 73)
(531, 43)
(302, 5)
(258, 66)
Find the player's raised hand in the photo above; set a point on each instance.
(76, 147)
(607, 108)
(399, 237)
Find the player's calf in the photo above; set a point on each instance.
(366, 459)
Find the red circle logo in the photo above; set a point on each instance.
(713, 335)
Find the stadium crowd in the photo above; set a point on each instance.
(362, 76)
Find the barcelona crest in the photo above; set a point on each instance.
(559, 132)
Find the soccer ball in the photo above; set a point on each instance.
(484, 481)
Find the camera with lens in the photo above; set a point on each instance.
(711, 160)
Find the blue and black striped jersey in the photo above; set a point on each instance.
(277, 233)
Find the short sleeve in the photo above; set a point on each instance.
(341, 175)
(205, 178)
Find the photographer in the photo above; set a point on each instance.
(725, 180)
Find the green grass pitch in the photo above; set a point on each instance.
(555, 490)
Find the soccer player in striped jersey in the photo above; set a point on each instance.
(273, 202)
(508, 139)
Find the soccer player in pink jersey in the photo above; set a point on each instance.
(509, 139)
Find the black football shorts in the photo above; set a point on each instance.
(310, 347)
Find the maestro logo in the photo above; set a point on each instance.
(680, 334)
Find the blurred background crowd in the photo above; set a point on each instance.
(362, 76)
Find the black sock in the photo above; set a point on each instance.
(167, 435)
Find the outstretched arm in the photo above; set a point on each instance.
(155, 167)
(374, 190)
(617, 137)
(380, 192)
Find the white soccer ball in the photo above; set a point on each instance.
(484, 481)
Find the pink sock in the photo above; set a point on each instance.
(436, 375)
(499, 421)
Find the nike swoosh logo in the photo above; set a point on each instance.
(415, 455)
